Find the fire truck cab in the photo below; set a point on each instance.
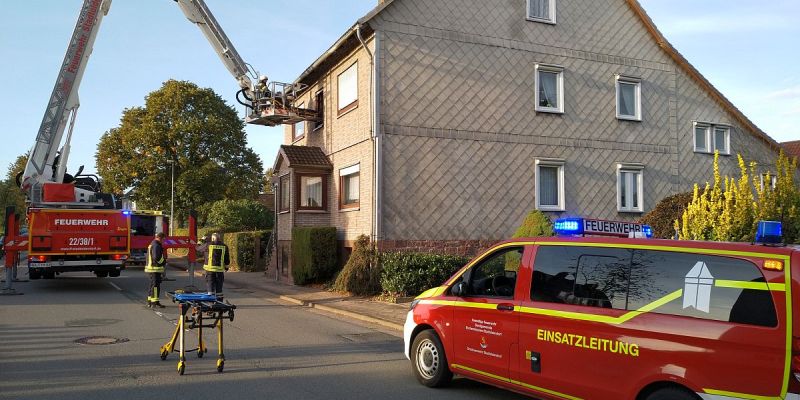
(616, 318)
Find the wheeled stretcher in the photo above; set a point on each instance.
(193, 308)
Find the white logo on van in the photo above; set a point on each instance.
(697, 292)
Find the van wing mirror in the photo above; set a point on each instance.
(459, 289)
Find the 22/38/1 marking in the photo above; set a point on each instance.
(81, 241)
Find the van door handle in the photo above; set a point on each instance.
(505, 307)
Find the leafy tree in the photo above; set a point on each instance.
(191, 127)
(239, 215)
(268, 174)
(663, 216)
(10, 192)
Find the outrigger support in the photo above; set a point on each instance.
(201, 305)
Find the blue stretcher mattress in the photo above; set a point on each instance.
(195, 297)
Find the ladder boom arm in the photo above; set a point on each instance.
(63, 101)
(198, 13)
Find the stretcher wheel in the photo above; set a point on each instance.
(200, 353)
(220, 365)
(181, 367)
(164, 354)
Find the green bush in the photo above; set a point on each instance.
(313, 254)
(535, 224)
(239, 215)
(361, 275)
(662, 217)
(242, 247)
(409, 274)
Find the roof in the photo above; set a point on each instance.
(792, 148)
(349, 41)
(303, 157)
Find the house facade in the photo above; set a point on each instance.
(445, 121)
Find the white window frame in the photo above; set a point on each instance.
(552, 163)
(637, 82)
(711, 144)
(339, 103)
(559, 84)
(772, 178)
(551, 20)
(727, 150)
(637, 171)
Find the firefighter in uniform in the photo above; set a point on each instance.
(155, 269)
(217, 261)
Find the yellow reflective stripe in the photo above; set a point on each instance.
(787, 278)
(667, 248)
(741, 395)
(514, 382)
(439, 302)
(777, 287)
(432, 292)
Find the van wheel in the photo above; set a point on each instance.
(671, 393)
(429, 361)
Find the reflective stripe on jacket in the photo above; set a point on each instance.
(216, 258)
(155, 258)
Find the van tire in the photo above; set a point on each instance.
(671, 393)
(428, 360)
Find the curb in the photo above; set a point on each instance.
(328, 309)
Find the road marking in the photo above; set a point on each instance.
(115, 286)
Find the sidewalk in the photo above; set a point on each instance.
(385, 314)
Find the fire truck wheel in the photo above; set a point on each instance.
(101, 274)
(672, 393)
(49, 275)
(113, 274)
(34, 274)
(429, 361)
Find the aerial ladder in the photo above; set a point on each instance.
(56, 197)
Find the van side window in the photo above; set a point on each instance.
(495, 276)
(705, 282)
(596, 277)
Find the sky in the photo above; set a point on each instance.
(748, 50)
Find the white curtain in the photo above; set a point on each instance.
(627, 99)
(540, 9)
(351, 189)
(548, 186)
(548, 89)
(311, 192)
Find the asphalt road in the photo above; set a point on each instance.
(273, 350)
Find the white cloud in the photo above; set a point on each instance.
(788, 93)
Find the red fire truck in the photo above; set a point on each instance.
(77, 240)
(617, 318)
(144, 225)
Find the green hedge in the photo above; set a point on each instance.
(409, 274)
(242, 246)
(313, 254)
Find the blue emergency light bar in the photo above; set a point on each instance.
(769, 232)
(126, 212)
(584, 226)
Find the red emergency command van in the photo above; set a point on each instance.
(62, 240)
(610, 319)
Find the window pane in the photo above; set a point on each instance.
(655, 274)
(350, 188)
(634, 177)
(548, 186)
(311, 191)
(596, 277)
(348, 86)
(539, 9)
(548, 89)
(497, 275)
(700, 138)
(623, 189)
(285, 194)
(627, 99)
(720, 142)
